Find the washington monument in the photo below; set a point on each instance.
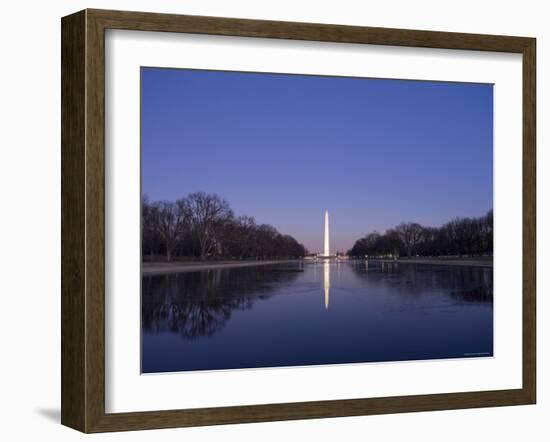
(326, 252)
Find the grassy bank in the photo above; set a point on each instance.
(157, 268)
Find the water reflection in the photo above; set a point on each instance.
(272, 315)
(200, 303)
(467, 284)
(326, 282)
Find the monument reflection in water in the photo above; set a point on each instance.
(326, 256)
(308, 313)
(326, 282)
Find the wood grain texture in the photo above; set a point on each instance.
(144, 21)
(83, 220)
(73, 252)
(95, 222)
(529, 221)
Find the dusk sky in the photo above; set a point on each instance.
(283, 148)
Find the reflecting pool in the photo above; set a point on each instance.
(308, 313)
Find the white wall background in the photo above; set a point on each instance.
(30, 216)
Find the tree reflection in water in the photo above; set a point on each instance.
(198, 304)
(462, 283)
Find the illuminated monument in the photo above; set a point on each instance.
(327, 246)
(326, 250)
(326, 256)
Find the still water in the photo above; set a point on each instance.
(306, 313)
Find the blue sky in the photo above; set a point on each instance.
(283, 148)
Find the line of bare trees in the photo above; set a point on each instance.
(460, 236)
(203, 226)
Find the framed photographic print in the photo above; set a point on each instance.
(270, 220)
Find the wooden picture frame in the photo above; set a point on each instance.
(83, 220)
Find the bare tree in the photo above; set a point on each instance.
(203, 224)
(410, 234)
(169, 221)
(487, 232)
(266, 236)
(148, 228)
(239, 238)
(392, 242)
(207, 214)
(460, 236)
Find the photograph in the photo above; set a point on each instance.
(303, 220)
